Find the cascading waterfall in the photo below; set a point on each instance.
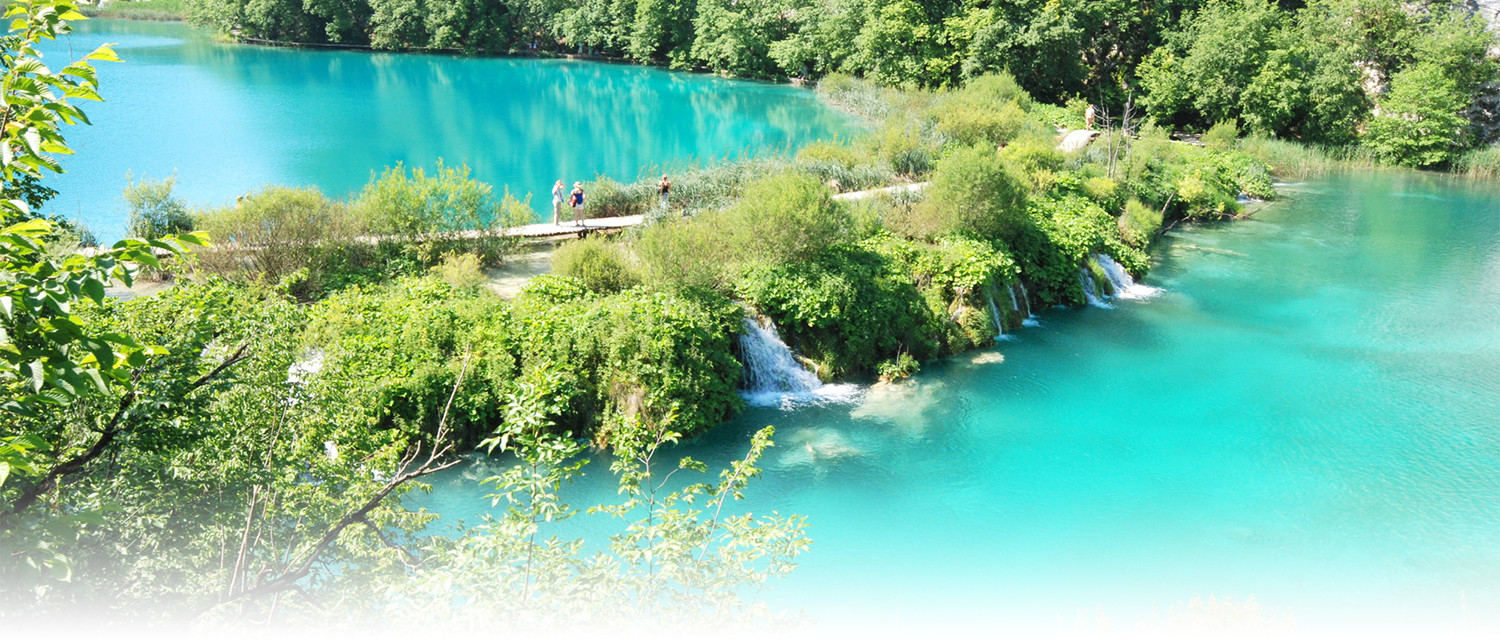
(999, 320)
(1087, 280)
(770, 367)
(1125, 286)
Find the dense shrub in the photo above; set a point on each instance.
(1140, 223)
(404, 201)
(1222, 135)
(601, 264)
(783, 218)
(397, 351)
(973, 191)
(638, 359)
(461, 271)
(1064, 232)
(957, 278)
(847, 309)
(280, 235)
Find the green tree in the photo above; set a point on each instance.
(900, 45)
(1420, 121)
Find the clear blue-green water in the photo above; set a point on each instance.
(229, 118)
(1308, 415)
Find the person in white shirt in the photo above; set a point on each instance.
(557, 200)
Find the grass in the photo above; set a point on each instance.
(1291, 160)
(1483, 163)
(160, 10)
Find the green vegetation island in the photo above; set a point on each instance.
(233, 449)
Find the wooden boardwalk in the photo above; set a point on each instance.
(549, 230)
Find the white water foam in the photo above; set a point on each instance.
(1125, 286)
(1087, 280)
(774, 377)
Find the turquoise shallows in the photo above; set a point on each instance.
(1309, 414)
(229, 118)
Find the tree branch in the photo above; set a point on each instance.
(111, 431)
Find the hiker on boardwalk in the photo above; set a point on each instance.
(557, 200)
(577, 201)
(662, 189)
(1088, 117)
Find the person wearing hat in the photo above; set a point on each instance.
(577, 201)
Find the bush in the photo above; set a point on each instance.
(1140, 223)
(410, 203)
(279, 235)
(1222, 135)
(786, 217)
(973, 191)
(395, 353)
(968, 123)
(461, 271)
(685, 254)
(989, 110)
(638, 359)
(1064, 231)
(847, 309)
(153, 211)
(902, 366)
(601, 264)
(906, 149)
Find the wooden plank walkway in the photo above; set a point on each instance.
(549, 230)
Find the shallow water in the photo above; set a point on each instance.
(1307, 415)
(230, 118)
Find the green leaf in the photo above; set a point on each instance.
(38, 376)
(105, 52)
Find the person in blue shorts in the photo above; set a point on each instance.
(576, 200)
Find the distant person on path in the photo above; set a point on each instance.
(557, 200)
(577, 201)
(1088, 117)
(663, 188)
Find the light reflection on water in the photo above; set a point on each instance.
(230, 118)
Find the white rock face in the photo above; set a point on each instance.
(1486, 110)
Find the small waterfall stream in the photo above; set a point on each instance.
(1087, 280)
(999, 320)
(1125, 286)
(770, 366)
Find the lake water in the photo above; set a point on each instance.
(229, 118)
(1308, 415)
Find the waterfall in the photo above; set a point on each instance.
(1125, 286)
(1025, 296)
(1087, 280)
(770, 366)
(995, 316)
(1014, 306)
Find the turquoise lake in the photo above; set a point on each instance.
(229, 118)
(1307, 415)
